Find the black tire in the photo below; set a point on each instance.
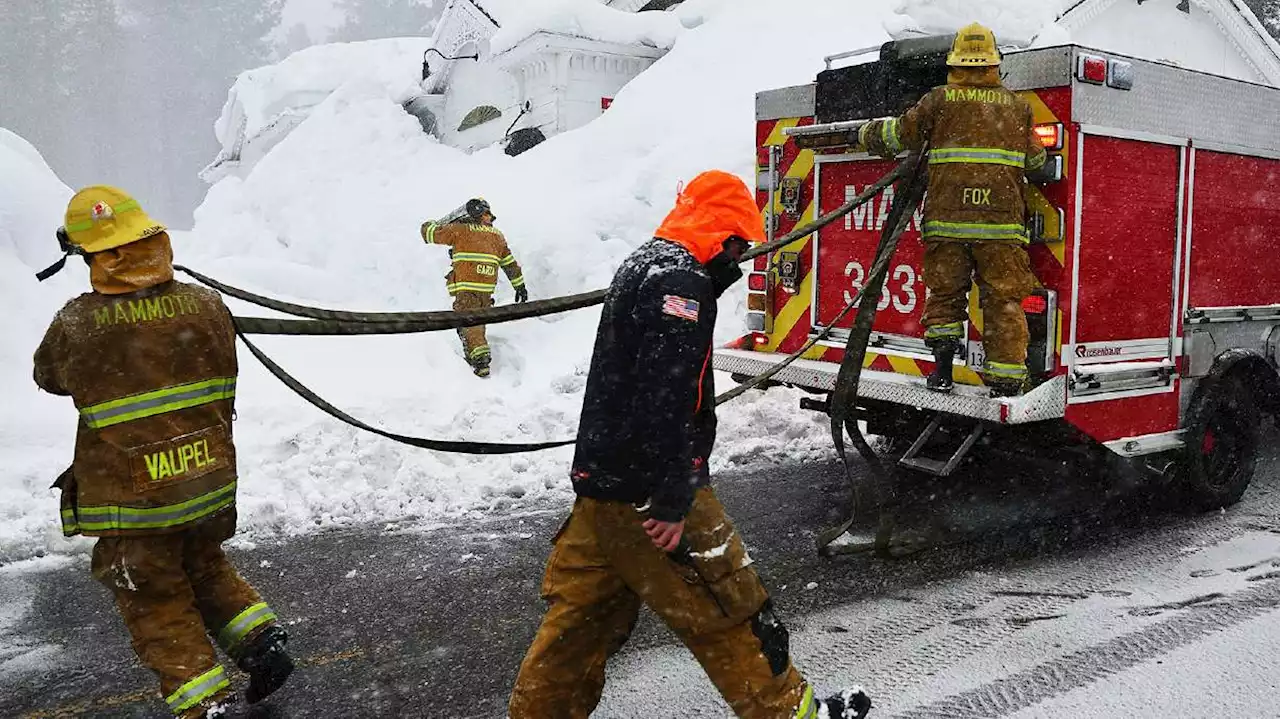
(1221, 449)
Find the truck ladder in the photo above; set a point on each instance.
(940, 467)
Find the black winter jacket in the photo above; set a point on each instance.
(648, 418)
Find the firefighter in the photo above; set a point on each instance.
(647, 528)
(150, 364)
(982, 142)
(477, 249)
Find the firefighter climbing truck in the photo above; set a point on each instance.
(1156, 336)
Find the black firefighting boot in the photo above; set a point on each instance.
(480, 365)
(944, 353)
(266, 663)
(849, 704)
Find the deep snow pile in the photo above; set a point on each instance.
(330, 216)
(1014, 22)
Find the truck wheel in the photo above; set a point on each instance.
(1221, 449)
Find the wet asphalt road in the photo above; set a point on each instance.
(434, 622)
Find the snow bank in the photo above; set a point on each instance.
(1015, 22)
(36, 430)
(587, 19)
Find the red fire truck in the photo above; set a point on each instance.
(1156, 338)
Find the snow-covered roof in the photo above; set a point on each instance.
(1234, 18)
(591, 20)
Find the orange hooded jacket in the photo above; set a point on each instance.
(713, 207)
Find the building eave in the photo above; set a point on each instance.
(544, 41)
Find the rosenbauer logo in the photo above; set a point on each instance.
(1084, 352)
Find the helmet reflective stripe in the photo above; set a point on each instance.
(197, 690)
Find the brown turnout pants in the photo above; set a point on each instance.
(604, 567)
(1004, 278)
(475, 345)
(170, 590)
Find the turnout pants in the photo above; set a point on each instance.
(1004, 278)
(170, 590)
(604, 567)
(475, 346)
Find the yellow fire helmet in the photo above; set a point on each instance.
(101, 218)
(974, 46)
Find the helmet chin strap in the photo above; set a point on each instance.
(68, 249)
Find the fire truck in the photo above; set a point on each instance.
(1156, 337)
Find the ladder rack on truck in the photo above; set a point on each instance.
(1157, 332)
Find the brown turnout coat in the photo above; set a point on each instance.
(153, 375)
(982, 142)
(477, 251)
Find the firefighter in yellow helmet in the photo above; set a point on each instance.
(982, 142)
(150, 364)
(477, 249)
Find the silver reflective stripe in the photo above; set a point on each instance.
(111, 517)
(244, 623)
(197, 690)
(159, 402)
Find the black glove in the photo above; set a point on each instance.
(522, 294)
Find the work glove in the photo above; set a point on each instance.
(522, 295)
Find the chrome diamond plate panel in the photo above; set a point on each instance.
(787, 102)
(1048, 401)
(1038, 69)
(1180, 103)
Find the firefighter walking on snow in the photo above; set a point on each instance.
(982, 142)
(151, 366)
(477, 249)
(647, 528)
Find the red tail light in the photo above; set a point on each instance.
(761, 264)
(756, 282)
(1035, 305)
(1051, 136)
(762, 158)
(1093, 69)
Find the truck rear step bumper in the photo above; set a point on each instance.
(1046, 402)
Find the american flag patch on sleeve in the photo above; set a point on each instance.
(680, 307)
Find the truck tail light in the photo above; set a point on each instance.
(756, 322)
(1035, 305)
(761, 264)
(760, 340)
(1052, 136)
(762, 158)
(1093, 69)
(757, 281)
(757, 302)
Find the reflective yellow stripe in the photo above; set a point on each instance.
(807, 709)
(110, 517)
(953, 329)
(126, 206)
(475, 257)
(197, 690)
(243, 624)
(480, 351)
(70, 527)
(1037, 160)
(977, 156)
(472, 287)
(508, 260)
(150, 404)
(431, 233)
(889, 133)
(1005, 370)
(518, 282)
(974, 231)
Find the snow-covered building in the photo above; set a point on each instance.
(494, 71)
(1224, 37)
(534, 73)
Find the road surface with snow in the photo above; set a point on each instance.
(1053, 607)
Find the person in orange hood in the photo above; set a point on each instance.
(647, 528)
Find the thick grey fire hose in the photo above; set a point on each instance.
(339, 322)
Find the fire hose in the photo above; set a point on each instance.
(842, 405)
